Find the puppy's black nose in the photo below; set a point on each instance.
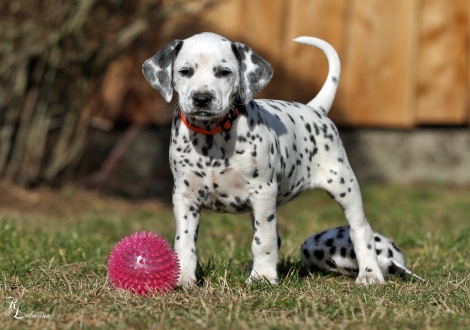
(202, 99)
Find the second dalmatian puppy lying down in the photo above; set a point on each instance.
(332, 251)
(231, 153)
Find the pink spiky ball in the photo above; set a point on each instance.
(142, 263)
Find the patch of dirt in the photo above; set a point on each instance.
(45, 201)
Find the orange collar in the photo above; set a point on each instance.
(223, 125)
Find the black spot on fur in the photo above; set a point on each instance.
(396, 247)
(306, 253)
(319, 254)
(351, 270)
(330, 263)
(317, 131)
(203, 194)
(200, 174)
(219, 204)
(291, 119)
(352, 254)
(291, 171)
(319, 235)
(329, 242)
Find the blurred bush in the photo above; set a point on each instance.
(53, 56)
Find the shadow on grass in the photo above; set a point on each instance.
(232, 271)
(288, 267)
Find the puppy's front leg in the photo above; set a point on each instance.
(265, 242)
(187, 216)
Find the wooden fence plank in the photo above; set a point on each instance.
(442, 62)
(378, 70)
(262, 25)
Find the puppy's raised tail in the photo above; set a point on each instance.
(324, 99)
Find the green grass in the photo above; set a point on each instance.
(57, 265)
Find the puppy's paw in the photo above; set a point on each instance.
(186, 281)
(369, 276)
(255, 277)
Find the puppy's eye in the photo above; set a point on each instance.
(224, 73)
(185, 72)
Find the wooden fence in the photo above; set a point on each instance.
(405, 62)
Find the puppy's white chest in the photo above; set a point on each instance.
(212, 173)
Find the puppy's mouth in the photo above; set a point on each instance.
(204, 115)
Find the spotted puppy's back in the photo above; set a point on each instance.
(332, 250)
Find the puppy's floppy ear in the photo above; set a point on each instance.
(255, 72)
(158, 69)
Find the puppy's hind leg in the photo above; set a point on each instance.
(341, 184)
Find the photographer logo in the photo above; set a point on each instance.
(13, 310)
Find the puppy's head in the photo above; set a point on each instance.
(209, 73)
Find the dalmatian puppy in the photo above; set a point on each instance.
(332, 251)
(230, 153)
